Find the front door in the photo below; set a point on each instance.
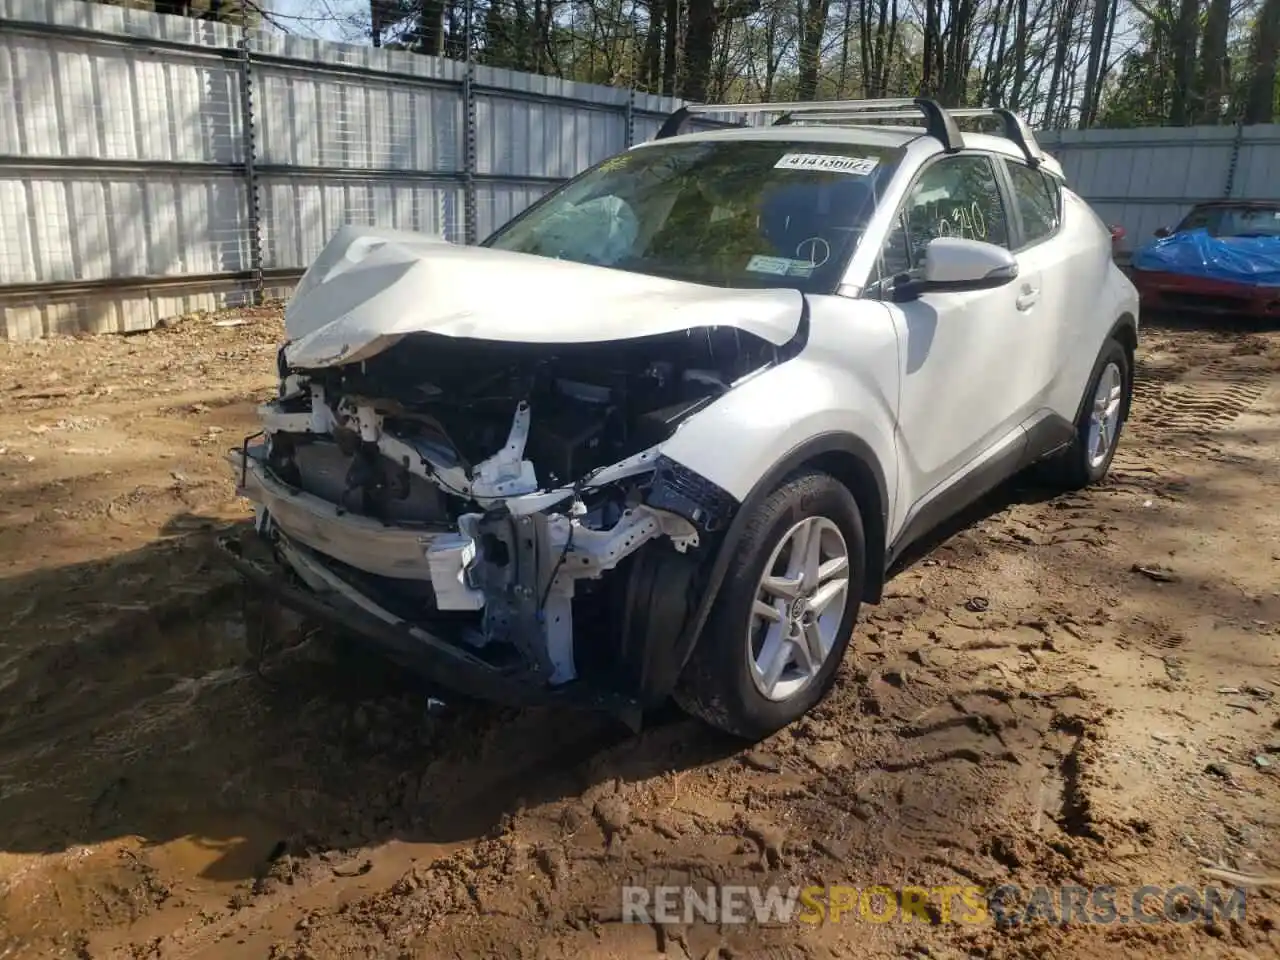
(963, 391)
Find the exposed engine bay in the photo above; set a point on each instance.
(484, 487)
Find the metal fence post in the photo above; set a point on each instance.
(250, 147)
(469, 136)
(1236, 143)
(631, 116)
(469, 156)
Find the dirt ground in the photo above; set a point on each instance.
(1076, 689)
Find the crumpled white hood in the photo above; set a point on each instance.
(371, 287)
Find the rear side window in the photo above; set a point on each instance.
(1038, 199)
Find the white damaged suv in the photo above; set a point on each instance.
(665, 431)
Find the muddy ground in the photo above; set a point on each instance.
(1076, 689)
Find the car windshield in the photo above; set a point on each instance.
(733, 213)
(1227, 221)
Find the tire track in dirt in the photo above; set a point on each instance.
(1193, 403)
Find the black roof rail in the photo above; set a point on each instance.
(675, 120)
(938, 122)
(1014, 128)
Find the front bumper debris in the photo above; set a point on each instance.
(332, 602)
(390, 518)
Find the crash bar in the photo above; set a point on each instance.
(938, 122)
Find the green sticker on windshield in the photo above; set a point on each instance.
(780, 266)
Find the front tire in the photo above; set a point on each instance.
(785, 614)
(1102, 417)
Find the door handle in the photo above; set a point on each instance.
(1028, 299)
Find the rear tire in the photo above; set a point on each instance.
(785, 614)
(1103, 412)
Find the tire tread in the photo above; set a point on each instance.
(1069, 469)
(705, 689)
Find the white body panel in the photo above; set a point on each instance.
(370, 288)
(845, 381)
(977, 365)
(1091, 292)
(953, 402)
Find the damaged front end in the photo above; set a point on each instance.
(501, 515)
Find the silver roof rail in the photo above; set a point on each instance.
(939, 122)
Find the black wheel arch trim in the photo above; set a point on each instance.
(818, 451)
(1129, 324)
(1125, 324)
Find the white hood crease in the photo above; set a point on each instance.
(371, 287)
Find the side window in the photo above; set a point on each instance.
(955, 197)
(1037, 197)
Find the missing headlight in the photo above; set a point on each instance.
(679, 490)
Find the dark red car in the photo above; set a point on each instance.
(1230, 266)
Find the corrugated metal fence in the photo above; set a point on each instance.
(151, 165)
(1148, 178)
(132, 187)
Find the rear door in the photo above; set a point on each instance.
(1045, 277)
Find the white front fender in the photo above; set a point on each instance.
(844, 382)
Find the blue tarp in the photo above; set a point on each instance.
(1252, 260)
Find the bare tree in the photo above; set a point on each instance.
(1078, 62)
(1183, 37)
(1264, 51)
(1102, 29)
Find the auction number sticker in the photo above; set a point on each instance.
(825, 162)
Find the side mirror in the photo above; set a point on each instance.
(956, 265)
(1163, 232)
